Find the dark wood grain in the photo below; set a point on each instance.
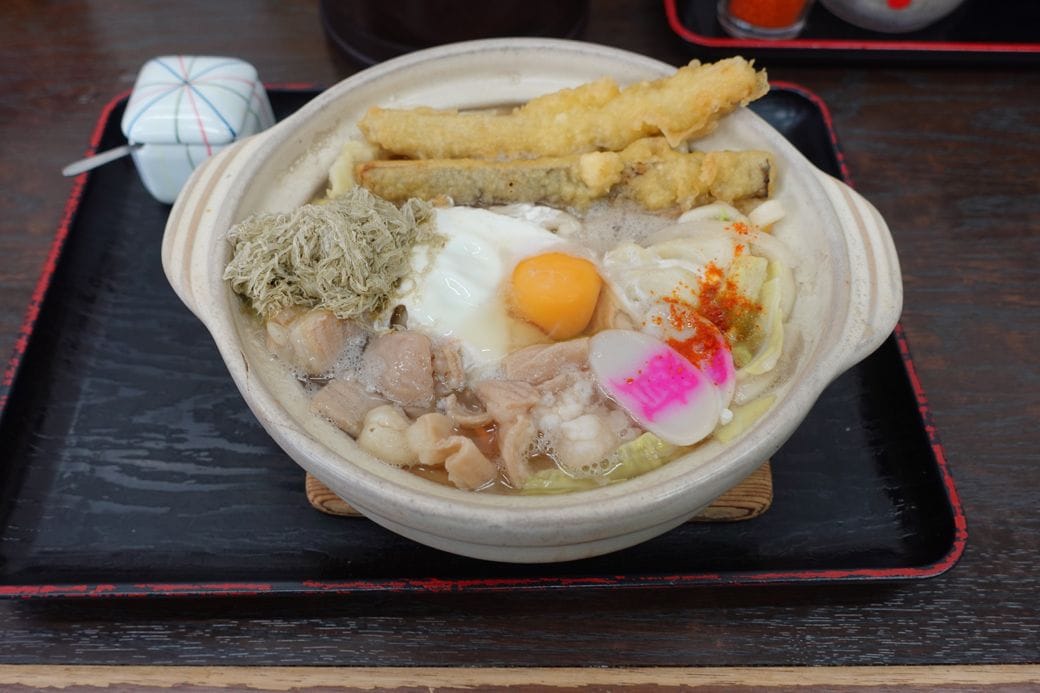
(947, 154)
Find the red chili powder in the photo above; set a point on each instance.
(719, 301)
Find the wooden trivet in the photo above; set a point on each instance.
(746, 500)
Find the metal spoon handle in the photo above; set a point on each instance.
(91, 162)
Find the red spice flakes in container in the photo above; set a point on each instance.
(763, 19)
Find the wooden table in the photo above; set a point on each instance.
(948, 154)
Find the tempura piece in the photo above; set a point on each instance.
(648, 172)
(555, 181)
(598, 116)
(658, 177)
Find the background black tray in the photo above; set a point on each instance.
(979, 31)
(132, 466)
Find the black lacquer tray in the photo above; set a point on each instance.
(978, 32)
(132, 466)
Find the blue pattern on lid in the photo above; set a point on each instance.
(213, 97)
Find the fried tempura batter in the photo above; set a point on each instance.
(592, 117)
(648, 172)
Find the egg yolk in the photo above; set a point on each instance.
(556, 292)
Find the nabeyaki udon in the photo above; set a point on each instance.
(506, 310)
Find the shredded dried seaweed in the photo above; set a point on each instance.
(345, 255)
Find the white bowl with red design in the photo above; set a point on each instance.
(892, 16)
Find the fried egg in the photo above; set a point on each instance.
(459, 290)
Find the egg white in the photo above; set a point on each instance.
(457, 290)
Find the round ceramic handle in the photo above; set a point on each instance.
(875, 283)
(186, 245)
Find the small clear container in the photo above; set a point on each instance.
(763, 19)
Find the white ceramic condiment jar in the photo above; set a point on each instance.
(185, 108)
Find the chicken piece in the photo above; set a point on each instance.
(414, 412)
(624, 428)
(310, 340)
(658, 177)
(467, 467)
(449, 374)
(558, 383)
(425, 435)
(383, 435)
(540, 362)
(345, 403)
(399, 366)
(594, 116)
(465, 416)
(581, 397)
(506, 400)
(514, 444)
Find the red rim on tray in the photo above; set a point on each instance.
(133, 468)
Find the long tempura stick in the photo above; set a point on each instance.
(598, 116)
(647, 172)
